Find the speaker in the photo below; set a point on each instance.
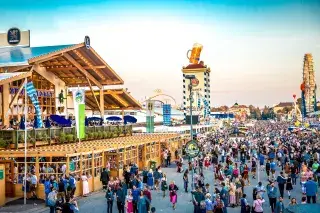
(195, 119)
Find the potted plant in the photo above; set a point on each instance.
(62, 138)
(69, 138)
(4, 144)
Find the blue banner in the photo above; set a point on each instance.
(32, 93)
(166, 114)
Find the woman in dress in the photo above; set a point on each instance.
(85, 185)
(206, 162)
(142, 203)
(246, 174)
(289, 186)
(112, 184)
(129, 203)
(232, 195)
(173, 194)
(150, 179)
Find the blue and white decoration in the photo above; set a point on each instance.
(166, 114)
(32, 93)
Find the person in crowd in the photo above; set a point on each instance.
(279, 206)
(150, 181)
(272, 192)
(129, 202)
(164, 185)
(52, 200)
(173, 194)
(104, 178)
(311, 190)
(142, 203)
(258, 204)
(85, 185)
(281, 183)
(110, 197)
(120, 196)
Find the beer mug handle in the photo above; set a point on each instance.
(188, 54)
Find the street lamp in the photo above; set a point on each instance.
(191, 77)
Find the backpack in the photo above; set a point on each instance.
(51, 199)
(236, 172)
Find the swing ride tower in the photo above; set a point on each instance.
(308, 86)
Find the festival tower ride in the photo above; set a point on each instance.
(308, 86)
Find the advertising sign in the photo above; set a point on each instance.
(79, 109)
(13, 36)
(192, 149)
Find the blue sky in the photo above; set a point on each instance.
(255, 48)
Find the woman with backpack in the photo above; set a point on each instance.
(52, 200)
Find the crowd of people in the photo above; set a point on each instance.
(269, 147)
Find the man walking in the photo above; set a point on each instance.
(272, 192)
(311, 190)
(281, 182)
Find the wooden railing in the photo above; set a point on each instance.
(48, 134)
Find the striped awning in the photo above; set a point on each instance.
(10, 77)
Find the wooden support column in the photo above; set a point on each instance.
(68, 166)
(80, 162)
(103, 160)
(122, 113)
(102, 104)
(5, 104)
(92, 170)
(144, 155)
(124, 155)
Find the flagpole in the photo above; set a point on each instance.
(25, 142)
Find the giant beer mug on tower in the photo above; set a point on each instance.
(194, 56)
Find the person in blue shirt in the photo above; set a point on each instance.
(311, 190)
(47, 189)
(273, 166)
(272, 192)
(135, 196)
(120, 199)
(261, 161)
(279, 206)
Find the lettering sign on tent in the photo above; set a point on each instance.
(150, 116)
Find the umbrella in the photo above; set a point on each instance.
(113, 118)
(22, 123)
(86, 122)
(60, 120)
(129, 119)
(47, 123)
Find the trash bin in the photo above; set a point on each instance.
(153, 165)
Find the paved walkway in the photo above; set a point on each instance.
(96, 203)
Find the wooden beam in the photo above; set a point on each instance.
(98, 72)
(16, 78)
(18, 68)
(82, 70)
(48, 59)
(94, 96)
(15, 97)
(70, 67)
(118, 98)
(106, 92)
(102, 103)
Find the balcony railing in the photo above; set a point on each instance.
(49, 135)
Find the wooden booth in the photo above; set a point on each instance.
(87, 158)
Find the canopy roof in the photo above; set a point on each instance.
(74, 64)
(9, 77)
(92, 146)
(113, 99)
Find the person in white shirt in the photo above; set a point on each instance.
(34, 181)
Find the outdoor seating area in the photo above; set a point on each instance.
(87, 157)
